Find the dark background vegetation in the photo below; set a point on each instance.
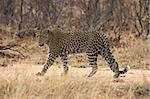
(105, 15)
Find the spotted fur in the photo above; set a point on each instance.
(63, 43)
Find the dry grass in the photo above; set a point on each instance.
(26, 86)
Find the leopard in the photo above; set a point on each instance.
(93, 43)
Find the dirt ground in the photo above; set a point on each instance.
(133, 75)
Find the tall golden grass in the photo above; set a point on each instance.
(25, 86)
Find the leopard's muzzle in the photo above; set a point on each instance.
(41, 44)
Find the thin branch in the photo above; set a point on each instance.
(11, 47)
(6, 47)
(19, 52)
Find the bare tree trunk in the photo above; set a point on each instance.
(20, 21)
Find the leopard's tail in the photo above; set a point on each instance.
(126, 68)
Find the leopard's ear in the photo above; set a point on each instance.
(36, 31)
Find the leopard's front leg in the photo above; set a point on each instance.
(48, 64)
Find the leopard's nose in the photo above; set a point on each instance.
(42, 44)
